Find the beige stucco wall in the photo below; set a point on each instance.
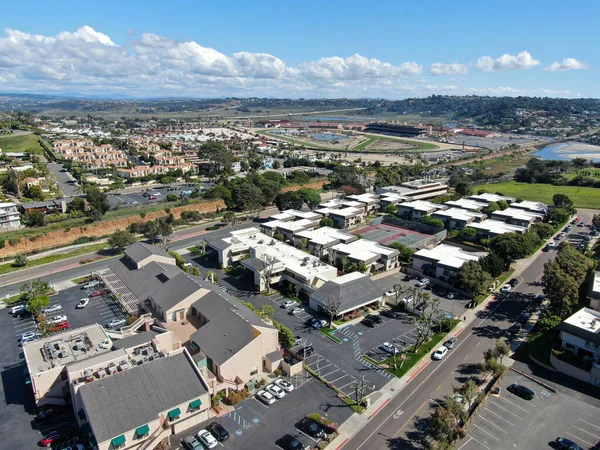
(156, 258)
(185, 304)
(42, 384)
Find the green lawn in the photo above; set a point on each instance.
(21, 143)
(583, 197)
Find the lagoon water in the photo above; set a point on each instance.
(568, 150)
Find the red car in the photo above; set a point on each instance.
(152, 197)
(60, 326)
(96, 293)
(54, 437)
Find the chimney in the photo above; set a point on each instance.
(63, 206)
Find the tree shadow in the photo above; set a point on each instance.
(490, 331)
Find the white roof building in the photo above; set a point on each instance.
(493, 228)
(467, 203)
(487, 197)
(446, 256)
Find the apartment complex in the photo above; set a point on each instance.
(9, 217)
(443, 261)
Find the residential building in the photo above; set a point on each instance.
(530, 206)
(457, 218)
(467, 203)
(515, 216)
(370, 202)
(9, 217)
(320, 241)
(489, 229)
(416, 209)
(391, 198)
(348, 293)
(442, 261)
(488, 198)
(139, 406)
(594, 292)
(346, 217)
(417, 189)
(374, 256)
(290, 222)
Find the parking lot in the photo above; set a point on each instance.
(136, 199)
(252, 424)
(508, 421)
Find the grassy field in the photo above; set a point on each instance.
(373, 138)
(21, 143)
(584, 197)
(506, 164)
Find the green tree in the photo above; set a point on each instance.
(96, 199)
(35, 305)
(428, 220)
(326, 222)
(219, 155)
(230, 218)
(467, 391)
(266, 311)
(502, 204)
(270, 189)
(247, 196)
(121, 239)
(34, 288)
(391, 209)
(596, 221)
(468, 234)
(463, 188)
(492, 264)
(276, 165)
(34, 218)
(34, 192)
(76, 205)
(172, 198)
(289, 200)
(543, 230)
(311, 197)
(286, 337)
(280, 237)
(548, 322)
(510, 247)
(562, 201)
(20, 261)
(558, 215)
(472, 278)
(492, 207)
(304, 244)
(405, 254)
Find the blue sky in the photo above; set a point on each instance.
(390, 49)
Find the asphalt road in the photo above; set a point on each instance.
(66, 183)
(396, 426)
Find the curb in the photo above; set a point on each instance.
(534, 379)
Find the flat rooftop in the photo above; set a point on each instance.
(325, 235)
(459, 214)
(467, 203)
(364, 250)
(294, 214)
(364, 198)
(347, 212)
(596, 283)
(393, 197)
(64, 348)
(422, 205)
(497, 227)
(447, 255)
(519, 214)
(530, 205)
(487, 197)
(586, 319)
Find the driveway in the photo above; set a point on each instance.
(67, 184)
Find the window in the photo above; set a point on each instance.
(254, 372)
(592, 345)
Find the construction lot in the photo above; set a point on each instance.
(507, 421)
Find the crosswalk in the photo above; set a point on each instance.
(346, 331)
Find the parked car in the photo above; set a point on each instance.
(375, 318)
(562, 234)
(265, 397)
(30, 336)
(312, 428)
(52, 309)
(114, 323)
(218, 431)
(423, 282)
(55, 437)
(59, 326)
(319, 324)
(506, 288)
(153, 197)
(581, 224)
(288, 303)
(18, 308)
(57, 319)
(368, 322)
(97, 293)
(391, 314)
(566, 444)
(289, 442)
(521, 391)
(105, 344)
(305, 352)
(284, 384)
(191, 443)
(310, 321)
(540, 298)
(388, 348)
(450, 343)
(91, 284)
(451, 295)
(409, 278)
(75, 447)
(390, 293)
(83, 303)
(513, 282)
(49, 412)
(408, 299)
(440, 353)
(207, 439)
(296, 310)
(275, 390)
(514, 328)
(524, 317)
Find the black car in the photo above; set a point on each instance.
(49, 413)
(217, 430)
(391, 314)
(312, 428)
(309, 322)
(368, 322)
(513, 282)
(374, 318)
(305, 352)
(289, 442)
(521, 391)
(566, 444)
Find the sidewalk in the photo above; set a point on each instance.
(395, 386)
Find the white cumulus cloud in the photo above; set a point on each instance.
(521, 61)
(454, 68)
(567, 64)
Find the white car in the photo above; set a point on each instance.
(91, 284)
(83, 303)
(105, 344)
(388, 348)
(17, 309)
(52, 309)
(422, 282)
(288, 303)
(440, 353)
(113, 323)
(408, 299)
(26, 337)
(506, 288)
(390, 293)
(57, 319)
(284, 384)
(265, 397)
(297, 310)
(207, 439)
(189, 265)
(275, 391)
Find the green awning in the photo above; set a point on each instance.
(195, 404)
(174, 413)
(118, 441)
(194, 346)
(143, 430)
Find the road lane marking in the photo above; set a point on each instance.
(465, 358)
(580, 439)
(438, 388)
(478, 344)
(410, 418)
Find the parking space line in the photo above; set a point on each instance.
(493, 424)
(479, 428)
(470, 439)
(590, 424)
(514, 404)
(581, 429)
(510, 412)
(580, 439)
(478, 441)
(337, 379)
(499, 416)
(326, 375)
(260, 403)
(342, 387)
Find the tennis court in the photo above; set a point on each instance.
(386, 234)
